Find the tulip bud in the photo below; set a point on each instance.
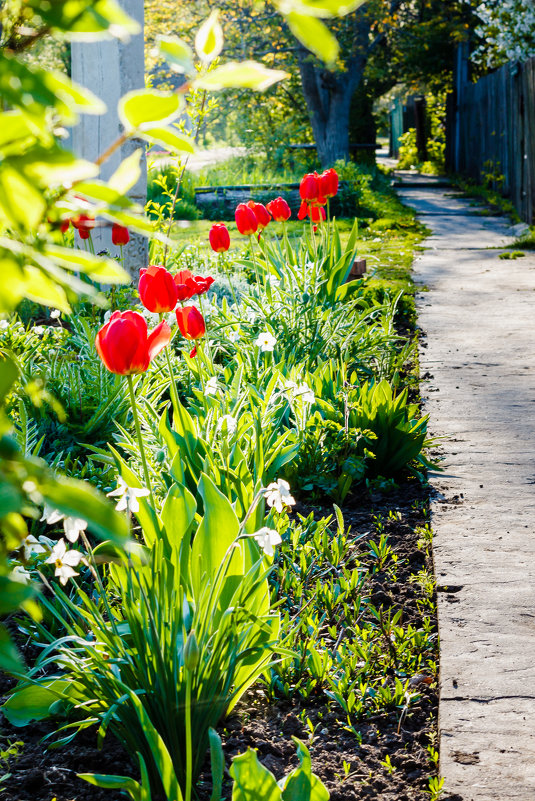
(263, 217)
(191, 652)
(309, 188)
(157, 289)
(190, 322)
(245, 219)
(219, 238)
(119, 235)
(126, 347)
(329, 183)
(279, 209)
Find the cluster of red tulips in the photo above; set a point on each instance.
(124, 343)
(251, 218)
(84, 224)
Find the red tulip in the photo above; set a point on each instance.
(263, 217)
(184, 287)
(190, 322)
(309, 188)
(199, 284)
(84, 225)
(64, 227)
(329, 183)
(125, 346)
(157, 289)
(119, 235)
(219, 238)
(245, 219)
(316, 213)
(279, 209)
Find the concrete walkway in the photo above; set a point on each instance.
(477, 315)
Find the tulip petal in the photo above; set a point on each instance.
(158, 339)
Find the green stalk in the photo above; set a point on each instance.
(140, 441)
(255, 264)
(227, 273)
(189, 758)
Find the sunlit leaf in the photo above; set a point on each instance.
(127, 173)
(241, 75)
(209, 38)
(314, 35)
(169, 138)
(142, 109)
(177, 53)
(21, 205)
(319, 8)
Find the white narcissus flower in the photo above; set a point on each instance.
(266, 342)
(73, 527)
(304, 393)
(51, 515)
(55, 314)
(64, 561)
(210, 387)
(128, 496)
(3, 325)
(19, 573)
(233, 336)
(267, 538)
(229, 421)
(30, 546)
(278, 495)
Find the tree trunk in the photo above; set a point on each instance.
(328, 99)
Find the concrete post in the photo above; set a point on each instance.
(110, 69)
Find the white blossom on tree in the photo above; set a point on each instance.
(507, 31)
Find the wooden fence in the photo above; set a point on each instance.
(491, 132)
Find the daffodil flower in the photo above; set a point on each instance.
(64, 561)
(128, 496)
(267, 538)
(51, 515)
(277, 494)
(210, 387)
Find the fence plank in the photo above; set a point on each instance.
(494, 126)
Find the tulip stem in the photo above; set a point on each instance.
(140, 441)
(227, 273)
(172, 385)
(207, 340)
(255, 264)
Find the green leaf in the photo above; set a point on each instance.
(86, 20)
(159, 751)
(217, 763)
(98, 268)
(113, 783)
(169, 138)
(50, 167)
(13, 594)
(41, 289)
(127, 173)
(77, 97)
(8, 375)
(209, 38)
(33, 702)
(177, 53)
(21, 204)
(143, 109)
(252, 780)
(319, 8)
(315, 36)
(301, 784)
(178, 514)
(80, 499)
(216, 533)
(241, 75)
(10, 659)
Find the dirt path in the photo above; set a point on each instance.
(477, 314)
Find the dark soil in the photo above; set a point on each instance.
(350, 769)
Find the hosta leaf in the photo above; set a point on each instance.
(241, 75)
(34, 701)
(252, 780)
